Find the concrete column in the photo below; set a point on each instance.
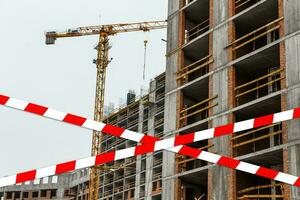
(30, 195)
(138, 159)
(60, 193)
(21, 195)
(39, 193)
(218, 179)
(5, 195)
(149, 159)
(168, 168)
(292, 53)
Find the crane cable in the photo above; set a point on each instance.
(145, 58)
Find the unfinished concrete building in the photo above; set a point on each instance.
(133, 178)
(55, 187)
(137, 177)
(227, 61)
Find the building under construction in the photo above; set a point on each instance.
(227, 61)
(134, 178)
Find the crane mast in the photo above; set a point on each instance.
(102, 61)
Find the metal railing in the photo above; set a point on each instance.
(183, 160)
(271, 79)
(159, 109)
(198, 108)
(133, 111)
(199, 68)
(256, 135)
(157, 161)
(160, 96)
(157, 176)
(158, 122)
(241, 5)
(258, 33)
(197, 30)
(259, 192)
(129, 186)
(132, 123)
(159, 135)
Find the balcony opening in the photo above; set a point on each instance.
(196, 108)
(53, 193)
(240, 5)
(193, 186)
(250, 186)
(186, 163)
(254, 140)
(9, 195)
(196, 19)
(251, 86)
(194, 70)
(35, 194)
(157, 159)
(256, 28)
(17, 195)
(157, 181)
(142, 192)
(43, 193)
(258, 139)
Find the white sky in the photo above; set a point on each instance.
(62, 76)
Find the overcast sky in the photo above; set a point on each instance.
(62, 76)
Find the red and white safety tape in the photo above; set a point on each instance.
(141, 138)
(142, 149)
(152, 144)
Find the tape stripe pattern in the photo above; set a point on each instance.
(138, 137)
(151, 143)
(148, 148)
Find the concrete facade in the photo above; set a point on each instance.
(292, 24)
(237, 60)
(55, 187)
(226, 61)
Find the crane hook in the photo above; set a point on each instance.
(145, 57)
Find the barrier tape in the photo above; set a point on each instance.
(147, 148)
(152, 143)
(141, 138)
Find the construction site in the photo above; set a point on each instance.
(226, 61)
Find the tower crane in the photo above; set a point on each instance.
(102, 61)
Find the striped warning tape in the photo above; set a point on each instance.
(153, 144)
(138, 137)
(147, 148)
